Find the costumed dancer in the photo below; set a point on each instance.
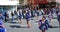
(2, 28)
(28, 19)
(43, 24)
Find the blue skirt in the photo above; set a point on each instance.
(27, 19)
(41, 28)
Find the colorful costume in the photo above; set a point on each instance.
(43, 26)
(28, 16)
(2, 29)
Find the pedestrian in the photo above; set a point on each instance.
(28, 18)
(45, 11)
(50, 16)
(15, 12)
(38, 15)
(20, 16)
(6, 16)
(42, 11)
(32, 13)
(12, 16)
(59, 17)
(43, 24)
(2, 28)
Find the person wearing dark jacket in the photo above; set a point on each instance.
(12, 16)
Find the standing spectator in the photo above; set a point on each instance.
(50, 16)
(59, 17)
(57, 10)
(32, 15)
(58, 14)
(20, 16)
(38, 13)
(12, 16)
(42, 11)
(15, 12)
(6, 16)
(45, 11)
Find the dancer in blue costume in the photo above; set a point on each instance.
(43, 24)
(2, 28)
(28, 18)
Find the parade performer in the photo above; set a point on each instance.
(43, 24)
(28, 18)
(2, 28)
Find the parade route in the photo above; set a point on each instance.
(34, 26)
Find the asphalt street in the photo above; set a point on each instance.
(17, 27)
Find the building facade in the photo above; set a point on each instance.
(9, 5)
(37, 3)
(42, 3)
(23, 2)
